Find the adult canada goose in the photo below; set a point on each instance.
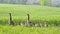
(11, 21)
(28, 21)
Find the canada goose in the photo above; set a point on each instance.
(37, 24)
(11, 21)
(41, 25)
(22, 24)
(28, 21)
(45, 24)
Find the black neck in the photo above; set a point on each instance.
(10, 16)
(28, 16)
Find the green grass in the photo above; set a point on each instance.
(37, 13)
(28, 30)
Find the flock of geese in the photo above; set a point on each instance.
(28, 22)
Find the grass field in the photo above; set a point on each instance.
(28, 30)
(38, 14)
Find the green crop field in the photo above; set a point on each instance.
(28, 30)
(38, 14)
